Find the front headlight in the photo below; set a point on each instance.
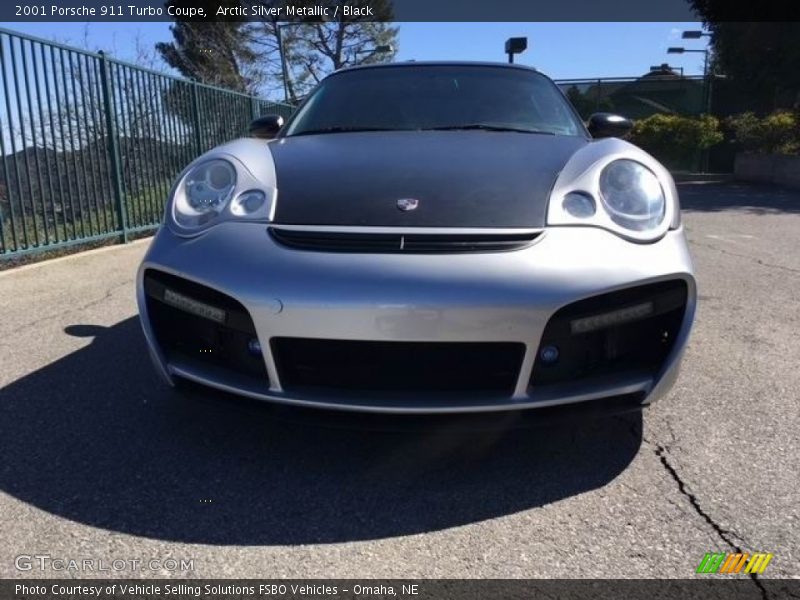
(217, 189)
(632, 195)
(609, 186)
(204, 193)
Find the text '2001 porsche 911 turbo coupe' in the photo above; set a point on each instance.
(423, 238)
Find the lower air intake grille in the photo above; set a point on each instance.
(628, 330)
(217, 336)
(397, 366)
(409, 243)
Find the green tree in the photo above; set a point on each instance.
(312, 49)
(761, 58)
(216, 53)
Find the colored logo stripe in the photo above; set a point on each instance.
(758, 563)
(734, 563)
(711, 562)
(720, 562)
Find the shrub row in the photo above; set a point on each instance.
(675, 140)
(678, 141)
(777, 133)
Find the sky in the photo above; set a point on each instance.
(560, 50)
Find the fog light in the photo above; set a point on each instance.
(549, 354)
(248, 203)
(254, 347)
(579, 205)
(609, 319)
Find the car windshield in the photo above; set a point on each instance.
(437, 97)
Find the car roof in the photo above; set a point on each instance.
(436, 63)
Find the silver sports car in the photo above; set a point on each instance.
(424, 238)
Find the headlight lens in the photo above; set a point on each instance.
(204, 193)
(632, 195)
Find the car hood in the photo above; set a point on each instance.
(460, 178)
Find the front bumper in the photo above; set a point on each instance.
(491, 298)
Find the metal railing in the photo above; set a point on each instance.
(90, 145)
(637, 97)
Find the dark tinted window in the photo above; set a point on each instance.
(423, 97)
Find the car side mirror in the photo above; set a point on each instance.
(265, 127)
(603, 125)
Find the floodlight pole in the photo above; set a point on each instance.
(515, 45)
(706, 83)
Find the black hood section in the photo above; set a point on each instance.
(461, 178)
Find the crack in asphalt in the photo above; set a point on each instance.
(746, 257)
(108, 293)
(725, 535)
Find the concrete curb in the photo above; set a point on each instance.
(74, 256)
(686, 177)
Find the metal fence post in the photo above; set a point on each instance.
(113, 146)
(196, 118)
(598, 95)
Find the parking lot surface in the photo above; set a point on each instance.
(99, 460)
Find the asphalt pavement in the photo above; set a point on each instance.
(100, 461)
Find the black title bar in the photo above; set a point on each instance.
(387, 10)
(735, 588)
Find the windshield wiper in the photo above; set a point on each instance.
(485, 127)
(341, 129)
(465, 127)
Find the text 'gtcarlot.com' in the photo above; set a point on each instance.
(45, 562)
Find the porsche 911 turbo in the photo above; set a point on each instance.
(418, 237)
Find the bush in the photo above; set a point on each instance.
(777, 133)
(675, 140)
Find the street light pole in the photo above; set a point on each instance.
(706, 78)
(706, 82)
(694, 35)
(515, 45)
